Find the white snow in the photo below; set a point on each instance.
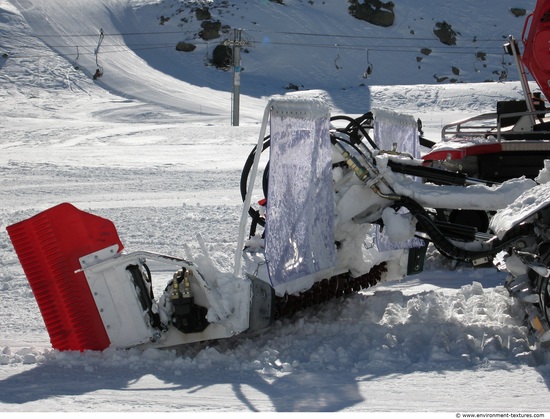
(150, 146)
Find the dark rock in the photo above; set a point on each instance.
(518, 12)
(373, 11)
(481, 56)
(292, 86)
(203, 14)
(445, 33)
(210, 30)
(222, 56)
(185, 47)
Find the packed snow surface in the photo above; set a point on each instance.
(157, 155)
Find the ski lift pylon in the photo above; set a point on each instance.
(75, 64)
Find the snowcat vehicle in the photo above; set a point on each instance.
(337, 212)
(513, 141)
(344, 204)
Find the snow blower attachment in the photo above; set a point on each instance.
(49, 246)
(92, 296)
(340, 212)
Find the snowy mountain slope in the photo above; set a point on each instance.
(300, 41)
(317, 45)
(71, 28)
(147, 157)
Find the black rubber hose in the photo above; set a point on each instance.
(267, 141)
(244, 180)
(265, 180)
(357, 124)
(446, 247)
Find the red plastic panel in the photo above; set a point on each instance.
(536, 55)
(49, 246)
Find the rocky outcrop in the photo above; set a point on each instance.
(518, 12)
(445, 33)
(185, 47)
(203, 13)
(210, 30)
(375, 12)
(222, 56)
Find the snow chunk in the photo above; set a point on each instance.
(522, 208)
(399, 227)
(544, 174)
(310, 104)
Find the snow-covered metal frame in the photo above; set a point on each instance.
(127, 324)
(299, 236)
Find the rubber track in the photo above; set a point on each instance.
(327, 289)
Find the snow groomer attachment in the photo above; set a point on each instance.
(340, 211)
(93, 296)
(49, 246)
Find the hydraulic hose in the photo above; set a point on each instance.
(353, 123)
(244, 180)
(446, 247)
(357, 124)
(255, 214)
